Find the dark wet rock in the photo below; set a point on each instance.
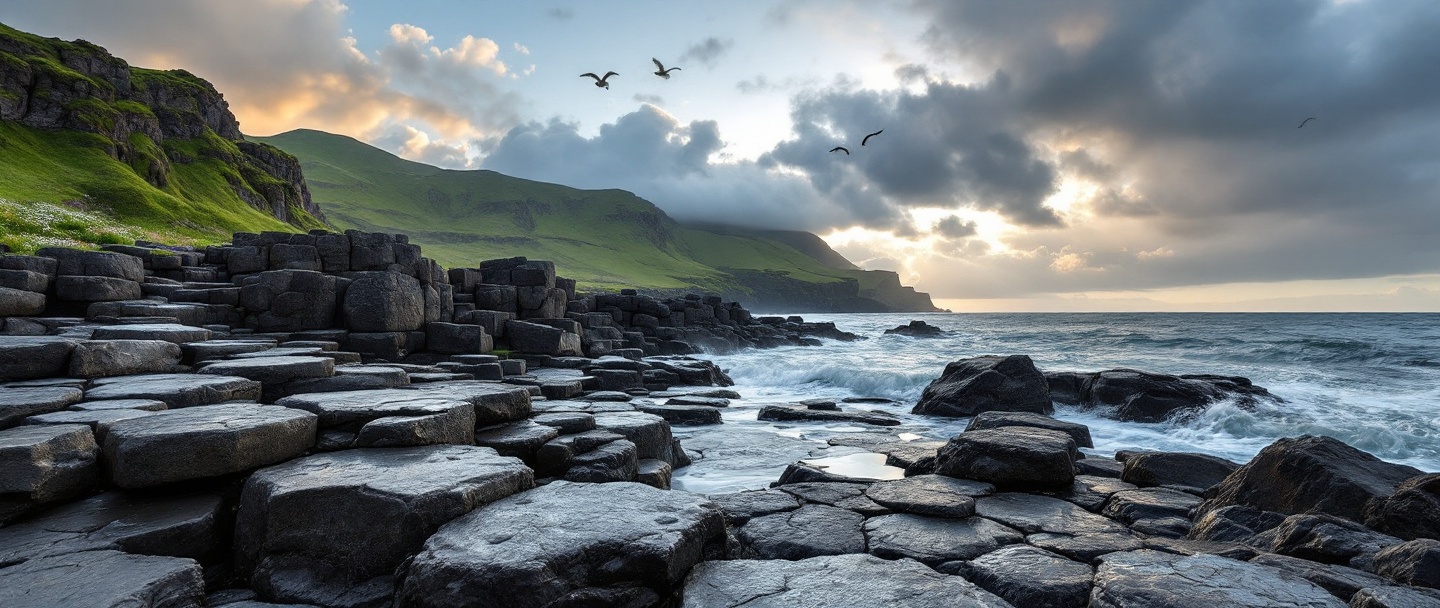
(103, 579)
(654, 473)
(220, 349)
(191, 526)
(383, 302)
(1415, 563)
(567, 422)
(809, 531)
(1395, 597)
(521, 440)
(741, 456)
(819, 404)
(205, 441)
(802, 414)
(612, 461)
(1153, 511)
(683, 414)
(563, 542)
(906, 453)
(1138, 396)
(296, 546)
(557, 455)
(934, 495)
(650, 434)
(700, 401)
(273, 372)
(1413, 511)
(1090, 492)
(1185, 546)
(96, 358)
(1341, 581)
(149, 405)
(616, 396)
(45, 464)
(176, 390)
(824, 492)
(1011, 457)
(1085, 547)
(1176, 469)
(99, 421)
(1099, 467)
(740, 507)
(168, 332)
(26, 357)
(917, 329)
(995, 419)
(982, 384)
(1152, 578)
(19, 403)
(813, 582)
(455, 425)
(1028, 576)
(1033, 514)
(933, 540)
(1237, 523)
(1323, 538)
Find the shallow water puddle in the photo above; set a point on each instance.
(867, 465)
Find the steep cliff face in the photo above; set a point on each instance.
(151, 120)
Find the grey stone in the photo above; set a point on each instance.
(1415, 563)
(453, 426)
(169, 332)
(683, 415)
(1323, 538)
(933, 541)
(1028, 576)
(1085, 547)
(454, 339)
(934, 495)
(176, 390)
(383, 302)
(1099, 467)
(1090, 492)
(613, 461)
(292, 300)
(193, 526)
(650, 434)
(1395, 597)
(1011, 457)
(785, 413)
(45, 464)
(295, 545)
(1033, 514)
(557, 455)
(740, 507)
(95, 263)
(19, 403)
(29, 263)
(493, 403)
(96, 358)
(205, 441)
(99, 421)
(567, 422)
(808, 531)
(535, 338)
(18, 302)
(1237, 523)
(654, 473)
(565, 540)
(1176, 468)
(273, 372)
(1341, 581)
(1153, 510)
(981, 384)
(111, 579)
(27, 357)
(1152, 578)
(184, 314)
(1413, 511)
(699, 400)
(149, 405)
(853, 581)
(521, 440)
(995, 419)
(220, 349)
(24, 280)
(96, 289)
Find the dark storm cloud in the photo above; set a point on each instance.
(953, 227)
(707, 51)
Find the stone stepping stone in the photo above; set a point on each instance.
(933, 541)
(283, 351)
(453, 426)
(176, 390)
(566, 540)
(613, 461)
(567, 422)
(220, 349)
(19, 403)
(494, 403)
(183, 526)
(588, 407)
(654, 473)
(169, 332)
(1090, 492)
(99, 358)
(696, 400)
(562, 389)
(204, 441)
(1153, 578)
(852, 581)
(933, 495)
(1199, 471)
(557, 455)
(904, 454)
(785, 413)
(606, 396)
(102, 579)
(1027, 576)
(349, 410)
(273, 370)
(1341, 581)
(809, 531)
(427, 378)
(1011, 457)
(99, 421)
(740, 507)
(29, 357)
(683, 415)
(45, 464)
(718, 393)
(1154, 511)
(149, 405)
(1099, 467)
(521, 440)
(295, 545)
(836, 494)
(1033, 514)
(996, 419)
(650, 433)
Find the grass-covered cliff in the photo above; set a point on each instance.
(95, 151)
(603, 238)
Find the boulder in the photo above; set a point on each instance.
(522, 440)
(1235, 523)
(933, 541)
(1011, 457)
(1153, 511)
(96, 358)
(1138, 396)
(20, 303)
(190, 525)
(45, 464)
(535, 338)
(917, 329)
(934, 495)
(294, 544)
(103, 579)
(1341, 581)
(20, 402)
(1029, 576)
(291, 300)
(793, 414)
(457, 339)
(683, 415)
(996, 419)
(205, 441)
(613, 461)
(853, 581)
(1311, 474)
(981, 384)
(78, 262)
(1323, 538)
(1198, 471)
(810, 531)
(1413, 511)
(176, 390)
(28, 357)
(383, 302)
(1153, 578)
(1395, 597)
(566, 542)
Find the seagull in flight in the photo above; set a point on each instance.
(867, 137)
(1302, 123)
(841, 149)
(660, 69)
(599, 81)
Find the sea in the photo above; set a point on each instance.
(1370, 380)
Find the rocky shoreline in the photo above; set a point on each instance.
(335, 420)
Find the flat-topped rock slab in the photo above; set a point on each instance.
(1011, 457)
(297, 545)
(851, 581)
(564, 542)
(169, 332)
(1028, 576)
(785, 413)
(99, 421)
(176, 390)
(103, 579)
(45, 464)
(933, 540)
(179, 526)
(995, 419)
(351, 410)
(1153, 578)
(1033, 514)
(935, 495)
(26, 357)
(809, 531)
(149, 405)
(98, 358)
(273, 370)
(19, 403)
(204, 441)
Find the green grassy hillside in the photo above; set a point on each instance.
(603, 238)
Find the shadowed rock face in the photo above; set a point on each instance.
(982, 384)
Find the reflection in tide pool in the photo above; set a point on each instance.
(865, 465)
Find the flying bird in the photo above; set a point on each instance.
(600, 82)
(1302, 123)
(842, 149)
(660, 69)
(867, 137)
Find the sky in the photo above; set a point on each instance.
(1106, 155)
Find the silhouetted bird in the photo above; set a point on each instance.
(1302, 123)
(600, 82)
(842, 149)
(867, 137)
(660, 69)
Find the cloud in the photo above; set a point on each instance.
(561, 14)
(707, 51)
(952, 227)
(520, 48)
(650, 99)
